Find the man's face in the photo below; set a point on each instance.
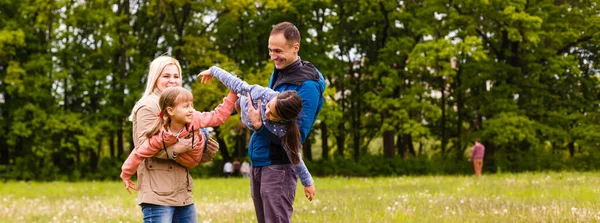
(282, 52)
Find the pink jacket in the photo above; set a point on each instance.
(199, 120)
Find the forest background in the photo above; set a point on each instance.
(411, 84)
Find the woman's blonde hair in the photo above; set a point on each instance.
(156, 68)
(170, 97)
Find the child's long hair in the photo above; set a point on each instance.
(170, 97)
(288, 107)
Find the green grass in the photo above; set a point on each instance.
(527, 197)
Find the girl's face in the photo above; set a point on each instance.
(182, 112)
(270, 112)
(170, 77)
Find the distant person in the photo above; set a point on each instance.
(236, 167)
(477, 157)
(228, 169)
(245, 169)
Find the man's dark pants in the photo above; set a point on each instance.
(273, 190)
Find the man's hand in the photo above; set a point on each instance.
(254, 114)
(309, 192)
(129, 185)
(211, 150)
(205, 77)
(469, 159)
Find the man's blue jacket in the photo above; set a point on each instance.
(265, 148)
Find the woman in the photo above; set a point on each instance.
(164, 186)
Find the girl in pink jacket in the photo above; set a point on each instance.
(177, 119)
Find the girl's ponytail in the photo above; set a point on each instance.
(158, 124)
(292, 141)
(289, 106)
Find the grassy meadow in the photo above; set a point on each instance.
(526, 197)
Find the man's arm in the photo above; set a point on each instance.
(310, 94)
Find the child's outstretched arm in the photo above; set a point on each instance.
(305, 177)
(218, 116)
(234, 83)
(148, 149)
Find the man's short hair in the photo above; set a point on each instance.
(477, 140)
(290, 32)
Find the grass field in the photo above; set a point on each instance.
(527, 197)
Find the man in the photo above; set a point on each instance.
(272, 178)
(477, 157)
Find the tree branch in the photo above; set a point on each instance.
(568, 46)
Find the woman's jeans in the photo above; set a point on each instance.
(167, 214)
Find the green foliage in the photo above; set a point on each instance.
(524, 80)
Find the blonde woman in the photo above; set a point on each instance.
(165, 186)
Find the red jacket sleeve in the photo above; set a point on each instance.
(218, 116)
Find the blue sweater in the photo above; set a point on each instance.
(263, 94)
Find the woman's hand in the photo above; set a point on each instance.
(129, 185)
(254, 114)
(205, 77)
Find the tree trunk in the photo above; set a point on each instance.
(222, 145)
(95, 156)
(388, 144)
(111, 144)
(324, 141)
(409, 144)
(459, 110)
(307, 149)
(572, 148)
(443, 120)
(4, 153)
(122, 75)
(388, 138)
(120, 147)
(341, 138)
(400, 146)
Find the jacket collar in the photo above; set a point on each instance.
(296, 73)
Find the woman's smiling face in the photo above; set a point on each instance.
(170, 77)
